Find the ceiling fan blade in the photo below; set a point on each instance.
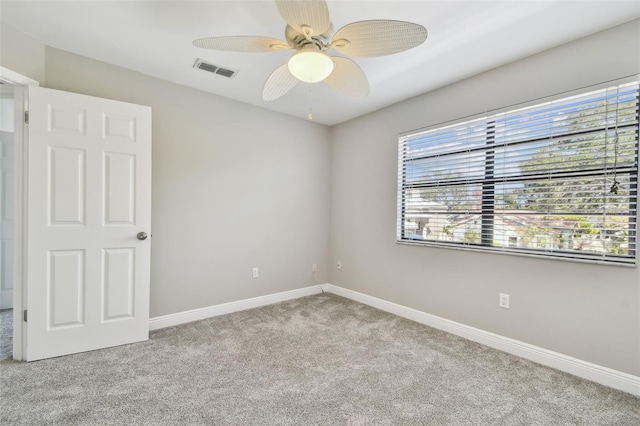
(279, 82)
(348, 78)
(302, 14)
(242, 43)
(378, 37)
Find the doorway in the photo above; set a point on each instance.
(12, 86)
(7, 136)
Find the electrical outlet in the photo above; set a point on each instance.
(314, 268)
(256, 272)
(504, 301)
(339, 264)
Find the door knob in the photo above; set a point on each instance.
(142, 235)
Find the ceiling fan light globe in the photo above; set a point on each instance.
(311, 66)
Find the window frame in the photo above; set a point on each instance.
(488, 201)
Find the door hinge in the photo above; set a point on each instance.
(24, 315)
(26, 117)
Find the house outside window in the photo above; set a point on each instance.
(557, 179)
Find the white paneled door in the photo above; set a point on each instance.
(88, 223)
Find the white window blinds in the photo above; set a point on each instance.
(557, 179)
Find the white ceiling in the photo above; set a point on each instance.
(465, 38)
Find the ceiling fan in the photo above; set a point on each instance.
(309, 32)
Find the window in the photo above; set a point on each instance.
(558, 179)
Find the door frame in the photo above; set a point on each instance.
(19, 207)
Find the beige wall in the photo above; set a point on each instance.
(234, 186)
(591, 312)
(21, 53)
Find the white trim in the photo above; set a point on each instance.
(15, 78)
(20, 210)
(587, 370)
(227, 308)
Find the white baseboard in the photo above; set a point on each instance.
(596, 373)
(227, 308)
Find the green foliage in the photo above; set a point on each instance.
(602, 148)
(579, 224)
(454, 197)
(471, 236)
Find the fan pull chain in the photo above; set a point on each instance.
(310, 115)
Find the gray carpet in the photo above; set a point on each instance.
(319, 360)
(6, 333)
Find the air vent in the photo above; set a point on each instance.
(205, 66)
(225, 72)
